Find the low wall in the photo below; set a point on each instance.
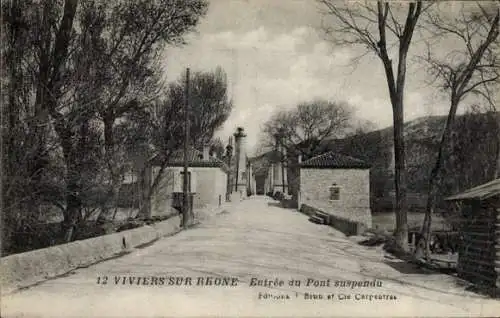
(344, 225)
(25, 269)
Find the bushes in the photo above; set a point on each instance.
(36, 236)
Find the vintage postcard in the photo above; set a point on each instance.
(253, 158)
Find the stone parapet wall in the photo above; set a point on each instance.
(353, 214)
(26, 269)
(344, 225)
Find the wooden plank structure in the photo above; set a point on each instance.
(479, 253)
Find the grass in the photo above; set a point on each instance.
(387, 221)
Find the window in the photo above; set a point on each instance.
(189, 181)
(334, 192)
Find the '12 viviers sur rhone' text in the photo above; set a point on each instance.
(277, 286)
(217, 281)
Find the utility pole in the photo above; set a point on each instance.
(283, 171)
(281, 148)
(229, 153)
(237, 157)
(186, 204)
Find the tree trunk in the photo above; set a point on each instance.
(114, 185)
(497, 161)
(73, 201)
(149, 186)
(396, 92)
(433, 186)
(72, 215)
(145, 193)
(401, 232)
(50, 67)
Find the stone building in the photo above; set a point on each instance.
(479, 251)
(338, 185)
(207, 180)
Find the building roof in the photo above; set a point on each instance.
(334, 160)
(195, 159)
(482, 192)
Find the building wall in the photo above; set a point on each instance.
(210, 187)
(221, 186)
(478, 257)
(207, 183)
(269, 180)
(354, 202)
(161, 201)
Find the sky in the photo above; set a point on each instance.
(276, 56)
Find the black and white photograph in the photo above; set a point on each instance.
(250, 158)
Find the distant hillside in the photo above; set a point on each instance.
(469, 158)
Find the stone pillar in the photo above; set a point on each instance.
(284, 169)
(277, 177)
(280, 180)
(250, 180)
(241, 165)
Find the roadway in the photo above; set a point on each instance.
(249, 261)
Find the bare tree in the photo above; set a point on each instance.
(209, 102)
(305, 127)
(471, 69)
(302, 130)
(373, 27)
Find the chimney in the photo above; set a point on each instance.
(206, 153)
(300, 159)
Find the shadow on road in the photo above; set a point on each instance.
(285, 204)
(274, 204)
(406, 268)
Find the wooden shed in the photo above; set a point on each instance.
(479, 253)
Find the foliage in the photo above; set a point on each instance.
(304, 127)
(471, 160)
(209, 103)
(70, 71)
(217, 148)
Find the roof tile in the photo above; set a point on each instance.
(195, 159)
(334, 161)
